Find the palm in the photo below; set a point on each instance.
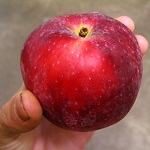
(47, 136)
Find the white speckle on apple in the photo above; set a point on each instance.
(90, 78)
(95, 98)
(77, 112)
(41, 34)
(76, 104)
(77, 43)
(109, 80)
(93, 70)
(77, 55)
(28, 42)
(112, 28)
(109, 87)
(39, 56)
(73, 73)
(97, 44)
(76, 89)
(87, 89)
(92, 42)
(106, 45)
(36, 76)
(91, 55)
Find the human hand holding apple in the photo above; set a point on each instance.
(85, 70)
(45, 135)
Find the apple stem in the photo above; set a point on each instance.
(83, 32)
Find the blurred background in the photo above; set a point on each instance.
(19, 17)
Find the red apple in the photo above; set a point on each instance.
(85, 70)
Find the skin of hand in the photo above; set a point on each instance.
(22, 126)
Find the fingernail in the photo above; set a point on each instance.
(20, 111)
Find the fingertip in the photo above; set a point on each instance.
(127, 21)
(32, 106)
(143, 43)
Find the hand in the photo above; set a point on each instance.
(22, 126)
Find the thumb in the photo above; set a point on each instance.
(21, 114)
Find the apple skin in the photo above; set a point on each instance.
(82, 83)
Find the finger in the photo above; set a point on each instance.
(143, 43)
(127, 22)
(21, 114)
